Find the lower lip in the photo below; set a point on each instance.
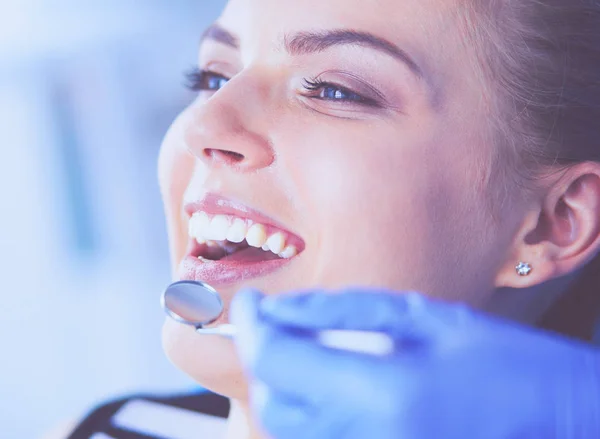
(220, 273)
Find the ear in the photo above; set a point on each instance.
(562, 234)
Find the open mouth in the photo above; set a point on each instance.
(226, 238)
(229, 251)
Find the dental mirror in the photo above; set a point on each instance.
(197, 304)
(192, 303)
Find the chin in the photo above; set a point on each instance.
(209, 360)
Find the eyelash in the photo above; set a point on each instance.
(196, 80)
(316, 87)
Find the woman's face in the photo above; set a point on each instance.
(352, 138)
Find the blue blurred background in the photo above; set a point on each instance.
(87, 90)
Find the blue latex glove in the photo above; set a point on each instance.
(456, 375)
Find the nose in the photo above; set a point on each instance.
(228, 130)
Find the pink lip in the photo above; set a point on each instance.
(220, 273)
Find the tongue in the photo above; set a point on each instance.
(251, 254)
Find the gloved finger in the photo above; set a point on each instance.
(281, 416)
(295, 364)
(407, 314)
(244, 314)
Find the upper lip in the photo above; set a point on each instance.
(219, 205)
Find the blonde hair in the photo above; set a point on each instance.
(540, 62)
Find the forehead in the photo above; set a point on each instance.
(418, 25)
(432, 32)
(436, 34)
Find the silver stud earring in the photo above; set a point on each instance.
(523, 269)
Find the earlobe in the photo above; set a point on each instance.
(524, 274)
(524, 265)
(562, 236)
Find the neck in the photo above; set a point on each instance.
(527, 305)
(240, 424)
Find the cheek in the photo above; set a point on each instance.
(175, 164)
(175, 169)
(384, 210)
(378, 213)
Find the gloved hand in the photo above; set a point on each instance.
(456, 374)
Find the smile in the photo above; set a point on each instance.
(229, 243)
(225, 237)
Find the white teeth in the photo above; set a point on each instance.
(199, 224)
(237, 231)
(256, 236)
(289, 252)
(276, 242)
(192, 227)
(219, 226)
(213, 230)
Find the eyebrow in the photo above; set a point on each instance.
(220, 35)
(312, 42)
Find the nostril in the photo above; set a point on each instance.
(224, 155)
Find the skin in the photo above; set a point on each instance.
(394, 196)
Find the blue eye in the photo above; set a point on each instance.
(338, 94)
(205, 80)
(214, 82)
(326, 91)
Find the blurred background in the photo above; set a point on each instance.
(87, 91)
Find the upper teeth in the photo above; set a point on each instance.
(205, 229)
